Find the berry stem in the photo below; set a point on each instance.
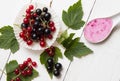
(16, 76)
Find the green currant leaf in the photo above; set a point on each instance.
(73, 17)
(44, 57)
(11, 66)
(8, 39)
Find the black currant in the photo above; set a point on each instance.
(47, 31)
(38, 11)
(36, 24)
(50, 68)
(58, 66)
(37, 19)
(47, 16)
(34, 36)
(40, 30)
(45, 9)
(56, 73)
(23, 25)
(50, 62)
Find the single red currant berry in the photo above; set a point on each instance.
(21, 34)
(42, 43)
(29, 72)
(28, 15)
(16, 71)
(24, 73)
(29, 60)
(52, 48)
(25, 38)
(50, 36)
(51, 23)
(25, 63)
(35, 15)
(18, 79)
(34, 64)
(22, 67)
(52, 28)
(28, 11)
(41, 38)
(25, 20)
(24, 30)
(30, 67)
(47, 50)
(51, 53)
(29, 29)
(29, 42)
(31, 7)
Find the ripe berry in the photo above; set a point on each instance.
(36, 24)
(52, 28)
(58, 66)
(50, 62)
(29, 72)
(29, 42)
(21, 34)
(25, 20)
(35, 15)
(30, 67)
(42, 38)
(50, 36)
(34, 36)
(29, 29)
(29, 60)
(18, 79)
(25, 63)
(49, 68)
(23, 25)
(51, 53)
(28, 10)
(28, 15)
(25, 38)
(31, 7)
(56, 73)
(47, 16)
(22, 67)
(38, 11)
(34, 64)
(42, 43)
(24, 73)
(45, 9)
(47, 31)
(37, 19)
(24, 30)
(16, 71)
(51, 23)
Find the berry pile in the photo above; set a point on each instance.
(37, 26)
(24, 69)
(53, 67)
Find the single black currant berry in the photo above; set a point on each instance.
(40, 30)
(50, 68)
(58, 66)
(34, 36)
(50, 62)
(38, 11)
(33, 30)
(36, 24)
(38, 19)
(45, 9)
(23, 25)
(47, 16)
(56, 73)
(47, 31)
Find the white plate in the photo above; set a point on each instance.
(19, 20)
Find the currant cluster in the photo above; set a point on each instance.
(51, 65)
(55, 68)
(24, 69)
(37, 26)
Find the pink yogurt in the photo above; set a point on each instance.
(98, 29)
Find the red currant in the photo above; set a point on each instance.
(28, 15)
(18, 79)
(51, 23)
(25, 38)
(16, 71)
(42, 43)
(47, 50)
(24, 73)
(30, 67)
(29, 42)
(42, 39)
(51, 53)
(34, 64)
(35, 15)
(29, 72)
(32, 21)
(29, 60)
(50, 36)
(24, 30)
(31, 7)
(52, 28)
(29, 29)
(25, 63)
(52, 48)
(21, 34)
(22, 67)
(28, 11)
(25, 20)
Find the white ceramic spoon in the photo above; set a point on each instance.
(99, 29)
